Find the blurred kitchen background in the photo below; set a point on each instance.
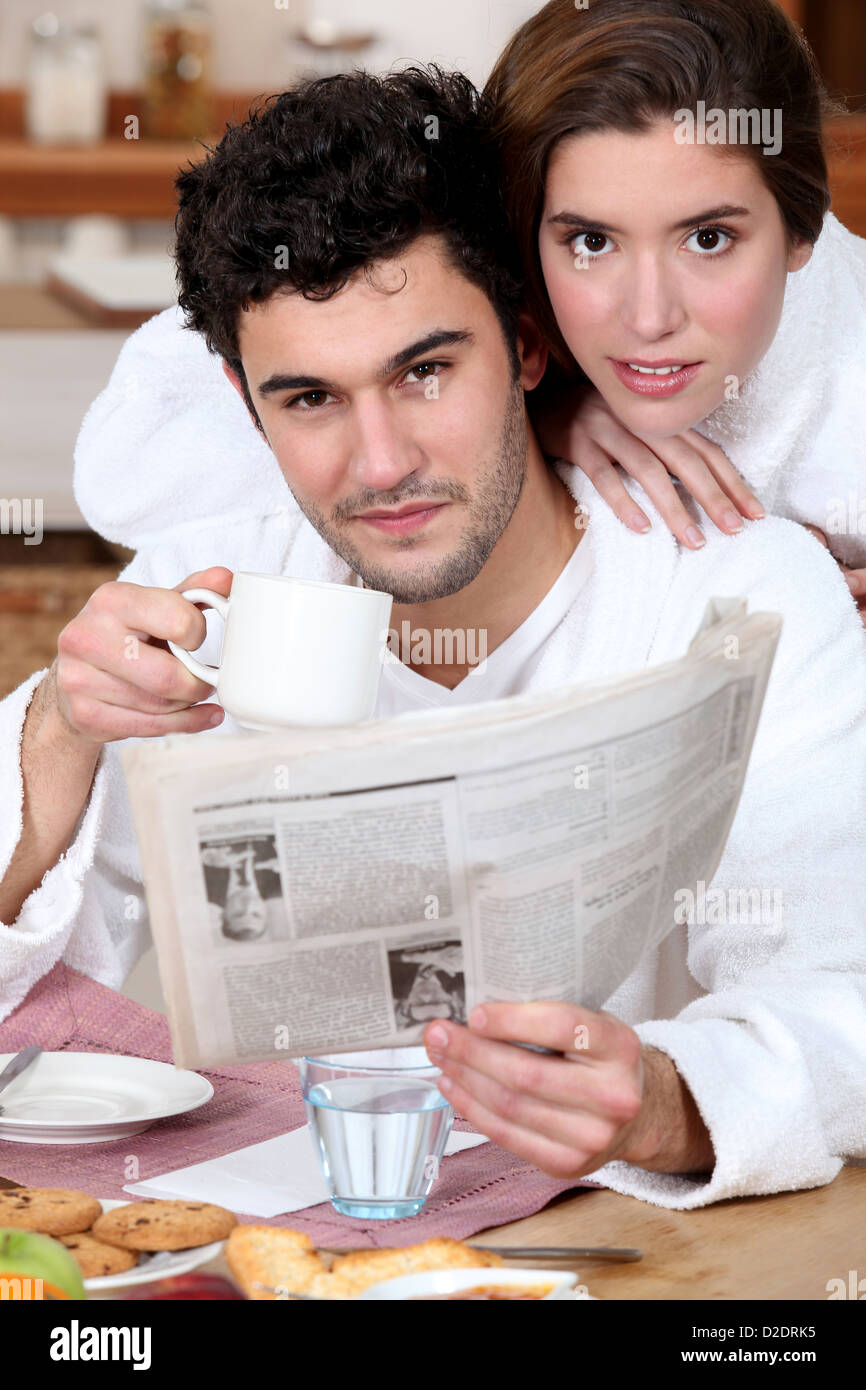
(100, 102)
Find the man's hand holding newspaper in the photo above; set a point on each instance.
(605, 1096)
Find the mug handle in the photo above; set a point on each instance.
(208, 674)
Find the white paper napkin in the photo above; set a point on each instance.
(268, 1179)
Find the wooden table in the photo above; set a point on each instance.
(786, 1246)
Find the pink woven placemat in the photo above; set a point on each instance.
(68, 1012)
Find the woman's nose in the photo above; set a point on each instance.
(651, 305)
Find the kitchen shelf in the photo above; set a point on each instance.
(134, 179)
(123, 178)
(131, 179)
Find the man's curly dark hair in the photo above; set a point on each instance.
(332, 176)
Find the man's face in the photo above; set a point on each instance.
(396, 393)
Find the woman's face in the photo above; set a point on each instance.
(658, 254)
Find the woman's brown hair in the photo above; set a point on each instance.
(624, 64)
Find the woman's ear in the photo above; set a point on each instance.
(800, 255)
(532, 351)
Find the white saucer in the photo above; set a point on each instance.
(90, 1097)
(161, 1264)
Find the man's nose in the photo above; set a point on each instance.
(652, 304)
(383, 450)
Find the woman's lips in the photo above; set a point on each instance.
(646, 384)
(400, 525)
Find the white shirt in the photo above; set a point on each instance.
(507, 670)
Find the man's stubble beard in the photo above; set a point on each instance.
(498, 492)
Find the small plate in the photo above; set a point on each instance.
(560, 1283)
(161, 1264)
(90, 1097)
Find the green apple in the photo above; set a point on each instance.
(26, 1257)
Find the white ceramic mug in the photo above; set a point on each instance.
(295, 652)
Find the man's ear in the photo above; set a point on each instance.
(532, 351)
(242, 390)
(235, 381)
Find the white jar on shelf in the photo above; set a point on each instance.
(66, 88)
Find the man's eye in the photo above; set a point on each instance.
(310, 400)
(423, 371)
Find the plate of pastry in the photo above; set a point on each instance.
(117, 1244)
(274, 1263)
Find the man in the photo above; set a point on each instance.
(344, 255)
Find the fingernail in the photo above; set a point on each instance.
(852, 582)
(217, 718)
(640, 523)
(733, 521)
(444, 1083)
(756, 511)
(478, 1018)
(437, 1038)
(695, 537)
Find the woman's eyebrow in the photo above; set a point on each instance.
(576, 219)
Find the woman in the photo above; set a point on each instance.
(694, 128)
(642, 254)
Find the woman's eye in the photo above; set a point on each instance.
(708, 241)
(589, 245)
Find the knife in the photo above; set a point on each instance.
(531, 1252)
(559, 1252)
(18, 1064)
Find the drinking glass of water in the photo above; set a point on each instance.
(380, 1126)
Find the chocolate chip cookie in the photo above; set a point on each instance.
(95, 1258)
(56, 1211)
(153, 1224)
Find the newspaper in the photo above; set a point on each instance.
(323, 890)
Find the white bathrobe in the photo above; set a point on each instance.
(797, 432)
(768, 1030)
